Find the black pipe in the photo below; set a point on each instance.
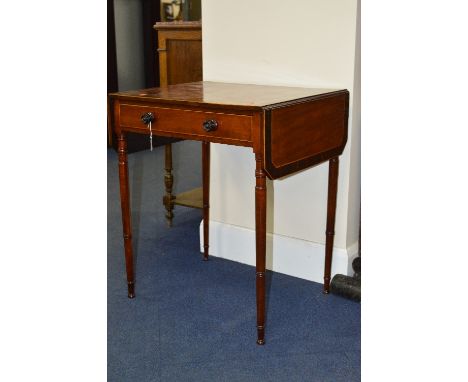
(347, 286)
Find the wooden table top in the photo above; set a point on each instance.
(223, 94)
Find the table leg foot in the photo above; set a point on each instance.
(131, 290)
(260, 335)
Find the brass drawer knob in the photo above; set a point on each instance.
(210, 125)
(147, 118)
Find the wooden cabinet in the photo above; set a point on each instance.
(180, 61)
(180, 52)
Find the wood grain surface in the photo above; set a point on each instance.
(234, 96)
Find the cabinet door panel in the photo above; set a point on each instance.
(184, 61)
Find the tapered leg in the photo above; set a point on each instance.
(206, 197)
(168, 181)
(331, 210)
(260, 239)
(126, 217)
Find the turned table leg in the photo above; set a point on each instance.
(168, 181)
(206, 197)
(126, 217)
(260, 239)
(331, 211)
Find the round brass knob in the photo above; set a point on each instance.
(210, 125)
(147, 118)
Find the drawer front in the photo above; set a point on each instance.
(187, 123)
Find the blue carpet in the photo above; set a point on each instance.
(195, 321)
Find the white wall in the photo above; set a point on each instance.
(129, 44)
(354, 196)
(310, 44)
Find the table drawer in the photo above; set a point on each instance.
(183, 123)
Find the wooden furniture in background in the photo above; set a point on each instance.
(289, 129)
(150, 14)
(180, 60)
(180, 52)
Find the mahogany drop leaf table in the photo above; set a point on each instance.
(289, 129)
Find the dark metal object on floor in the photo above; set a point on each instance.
(357, 267)
(347, 286)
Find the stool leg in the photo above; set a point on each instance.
(168, 181)
(206, 197)
(126, 216)
(260, 239)
(331, 211)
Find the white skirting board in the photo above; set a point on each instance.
(291, 256)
